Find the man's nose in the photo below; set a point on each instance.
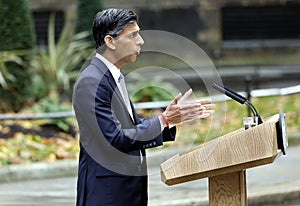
(140, 40)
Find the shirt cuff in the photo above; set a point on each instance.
(162, 123)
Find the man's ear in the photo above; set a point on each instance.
(110, 42)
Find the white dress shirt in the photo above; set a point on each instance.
(116, 74)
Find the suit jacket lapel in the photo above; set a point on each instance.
(135, 116)
(103, 69)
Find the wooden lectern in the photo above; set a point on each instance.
(224, 160)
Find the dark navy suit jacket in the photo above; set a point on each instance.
(111, 171)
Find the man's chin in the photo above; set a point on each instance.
(132, 58)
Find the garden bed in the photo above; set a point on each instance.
(25, 141)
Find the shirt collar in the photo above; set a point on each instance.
(112, 68)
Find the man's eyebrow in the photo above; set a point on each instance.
(137, 30)
(133, 32)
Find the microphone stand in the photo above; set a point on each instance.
(254, 111)
(239, 98)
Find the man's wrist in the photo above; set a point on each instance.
(164, 120)
(162, 123)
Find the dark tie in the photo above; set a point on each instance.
(121, 80)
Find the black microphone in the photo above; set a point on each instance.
(237, 97)
(233, 95)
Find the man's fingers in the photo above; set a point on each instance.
(199, 101)
(209, 106)
(176, 99)
(205, 115)
(181, 109)
(208, 112)
(195, 107)
(199, 114)
(185, 96)
(205, 101)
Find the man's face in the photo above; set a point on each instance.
(128, 44)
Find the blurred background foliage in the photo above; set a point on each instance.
(145, 90)
(57, 64)
(17, 28)
(35, 79)
(6, 76)
(86, 11)
(34, 143)
(39, 79)
(16, 33)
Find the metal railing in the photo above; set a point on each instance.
(153, 105)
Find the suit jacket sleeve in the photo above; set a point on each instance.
(120, 130)
(111, 115)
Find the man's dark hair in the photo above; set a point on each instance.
(111, 22)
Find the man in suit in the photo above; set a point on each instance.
(112, 165)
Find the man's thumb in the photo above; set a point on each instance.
(176, 99)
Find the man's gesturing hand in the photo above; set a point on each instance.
(181, 109)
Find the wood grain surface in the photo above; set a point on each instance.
(232, 152)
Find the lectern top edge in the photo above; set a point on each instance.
(237, 150)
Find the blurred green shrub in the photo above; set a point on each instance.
(54, 69)
(16, 33)
(143, 90)
(86, 11)
(50, 104)
(5, 76)
(16, 28)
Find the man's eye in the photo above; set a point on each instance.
(133, 35)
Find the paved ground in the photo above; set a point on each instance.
(273, 184)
